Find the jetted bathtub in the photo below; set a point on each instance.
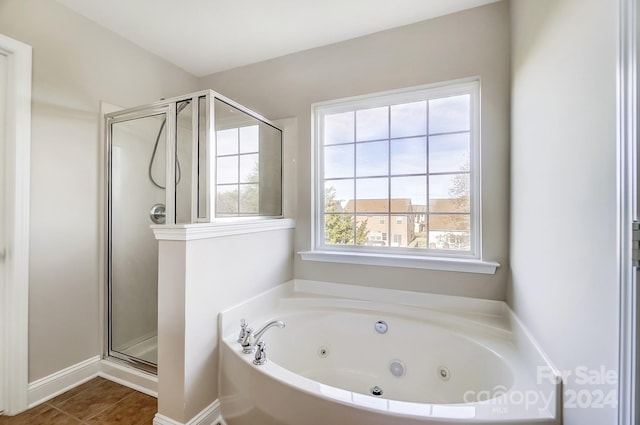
(356, 355)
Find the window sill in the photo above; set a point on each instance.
(409, 261)
(187, 232)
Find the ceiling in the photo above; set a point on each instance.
(207, 36)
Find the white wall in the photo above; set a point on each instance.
(563, 200)
(469, 43)
(75, 65)
(198, 279)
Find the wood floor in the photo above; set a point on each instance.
(97, 402)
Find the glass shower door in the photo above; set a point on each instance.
(137, 196)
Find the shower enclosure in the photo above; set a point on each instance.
(186, 161)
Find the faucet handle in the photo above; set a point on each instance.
(243, 330)
(247, 342)
(261, 354)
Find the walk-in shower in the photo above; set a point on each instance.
(185, 161)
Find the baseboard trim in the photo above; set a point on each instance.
(59, 382)
(46, 388)
(209, 416)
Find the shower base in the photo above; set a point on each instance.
(146, 350)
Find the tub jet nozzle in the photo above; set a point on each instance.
(376, 391)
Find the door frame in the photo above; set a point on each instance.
(15, 305)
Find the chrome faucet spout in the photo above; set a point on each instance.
(251, 339)
(258, 334)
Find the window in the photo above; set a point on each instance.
(401, 163)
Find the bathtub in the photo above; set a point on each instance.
(356, 355)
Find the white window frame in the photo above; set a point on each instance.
(471, 261)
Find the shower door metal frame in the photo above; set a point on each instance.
(167, 109)
(628, 160)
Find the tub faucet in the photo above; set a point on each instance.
(252, 339)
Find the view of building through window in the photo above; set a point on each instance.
(399, 175)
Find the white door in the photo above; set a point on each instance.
(3, 91)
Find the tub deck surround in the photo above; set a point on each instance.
(443, 359)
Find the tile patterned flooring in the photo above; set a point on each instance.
(96, 402)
